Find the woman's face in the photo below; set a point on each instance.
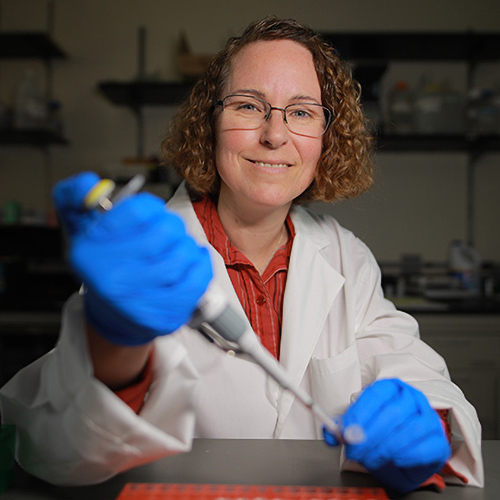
(268, 167)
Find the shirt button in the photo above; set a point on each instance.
(261, 300)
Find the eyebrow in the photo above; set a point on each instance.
(295, 98)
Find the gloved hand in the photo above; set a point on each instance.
(405, 442)
(143, 273)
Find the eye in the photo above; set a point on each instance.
(248, 106)
(301, 112)
(245, 105)
(306, 112)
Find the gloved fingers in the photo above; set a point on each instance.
(164, 258)
(416, 442)
(373, 399)
(379, 410)
(68, 196)
(329, 438)
(384, 409)
(148, 298)
(137, 216)
(427, 441)
(186, 258)
(405, 423)
(435, 448)
(71, 192)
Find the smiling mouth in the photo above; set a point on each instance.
(271, 165)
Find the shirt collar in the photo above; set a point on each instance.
(207, 214)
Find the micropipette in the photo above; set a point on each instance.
(220, 323)
(216, 320)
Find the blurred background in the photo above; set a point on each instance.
(92, 85)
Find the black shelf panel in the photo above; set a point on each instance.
(35, 137)
(436, 143)
(28, 45)
(139, 93)
(417, 46)
(135, 94)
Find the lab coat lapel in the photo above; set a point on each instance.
(304, 314)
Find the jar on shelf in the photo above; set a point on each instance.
(400, 109)
(428, 109)
(453, 118)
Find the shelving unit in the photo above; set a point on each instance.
(39, 46)
(29, 45)
(36, 138)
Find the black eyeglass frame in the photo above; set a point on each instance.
(328, 112)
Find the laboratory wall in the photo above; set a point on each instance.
(418, 203)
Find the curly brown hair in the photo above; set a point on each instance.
(345, 168)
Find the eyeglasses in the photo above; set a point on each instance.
(247, 112)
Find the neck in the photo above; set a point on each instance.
(257, 237)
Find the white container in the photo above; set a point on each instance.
(465, 264)
(428, 108)
(400, 109)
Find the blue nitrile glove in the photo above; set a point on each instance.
(405, 442)
(143, 273)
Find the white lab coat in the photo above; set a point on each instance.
(338, 335)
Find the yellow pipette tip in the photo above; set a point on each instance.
(101, 191)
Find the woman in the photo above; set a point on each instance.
(275, 122)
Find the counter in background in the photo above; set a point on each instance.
(470, 345)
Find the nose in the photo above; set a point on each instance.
(274, 130)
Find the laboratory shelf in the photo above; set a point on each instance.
(29, 45)
(416, 46)
(144, 93)
(37, 138)
(437, 143)
(138, 93)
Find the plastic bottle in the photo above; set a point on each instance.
(428, 108)
(30, 111)
(400, 109)
(483, 112)
(486, 119)
(465, 264)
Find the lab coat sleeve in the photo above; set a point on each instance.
(389, 347)
(72, 430)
